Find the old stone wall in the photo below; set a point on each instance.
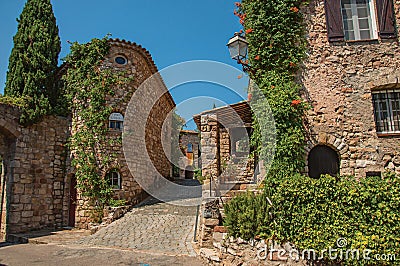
(38, 171)
(32, 187)
(338, 79)
(210, 146)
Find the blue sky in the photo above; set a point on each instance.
(173, 31)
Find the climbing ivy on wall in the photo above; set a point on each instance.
(277, 45)
(87, 83)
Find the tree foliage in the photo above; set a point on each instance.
(33, 60)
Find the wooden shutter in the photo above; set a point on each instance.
(334, 21)
(386, 19)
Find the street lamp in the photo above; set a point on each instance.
(237, 46)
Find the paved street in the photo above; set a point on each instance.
(50, 254)
(153, 233)
(156, 227)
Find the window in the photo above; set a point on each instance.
(387, 111)
(240, 144)
(359, 20)
(373, 173)
(116, 121)
(114, 179)
(120, 60)
(190, 147)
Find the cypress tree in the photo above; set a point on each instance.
(33, 60)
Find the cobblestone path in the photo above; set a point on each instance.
(153, 227)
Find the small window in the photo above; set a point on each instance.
(190, 147)
(116, 121)
(120, 60)
(359, 20)
(114, 179)
(387, 111)
(373, 173)
(240, 144)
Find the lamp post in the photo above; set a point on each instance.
(238, 47)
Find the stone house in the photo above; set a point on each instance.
(350, 78)
(189, 143)
(225, 135)
(38, 185)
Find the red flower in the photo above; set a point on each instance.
(294, 9)
(257, 57)
(292, 64)
(295, 102)
(238, 4)
(241, 21)
(249, 31)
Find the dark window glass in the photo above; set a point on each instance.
(120, 60)
(387, 111)
(114, 179)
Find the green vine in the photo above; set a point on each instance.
(13, 101)
(87, 83)
(277, 45)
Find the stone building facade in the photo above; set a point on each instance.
(38, 187)
(137, 66)
(225, 135)
(189, 143)
(33, 172)
(351, 79)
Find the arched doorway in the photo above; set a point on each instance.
(72, 201)
(323, 159)
(189, 172)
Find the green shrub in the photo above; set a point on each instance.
(116, 203)
(315, 213)
(14, 101)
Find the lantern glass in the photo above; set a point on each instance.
(237, 46)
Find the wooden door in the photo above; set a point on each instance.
(72, 201)
(323, 160)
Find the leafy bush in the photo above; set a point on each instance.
(116, 203)
(14, 101)
(315, 213)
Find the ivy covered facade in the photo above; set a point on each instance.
(45, 180)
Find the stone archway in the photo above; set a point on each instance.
(189, 172)
(6, 155)
(322, 159)
(9, 133)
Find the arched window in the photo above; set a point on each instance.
(116, 121)
(323, 160)
(114, 179)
